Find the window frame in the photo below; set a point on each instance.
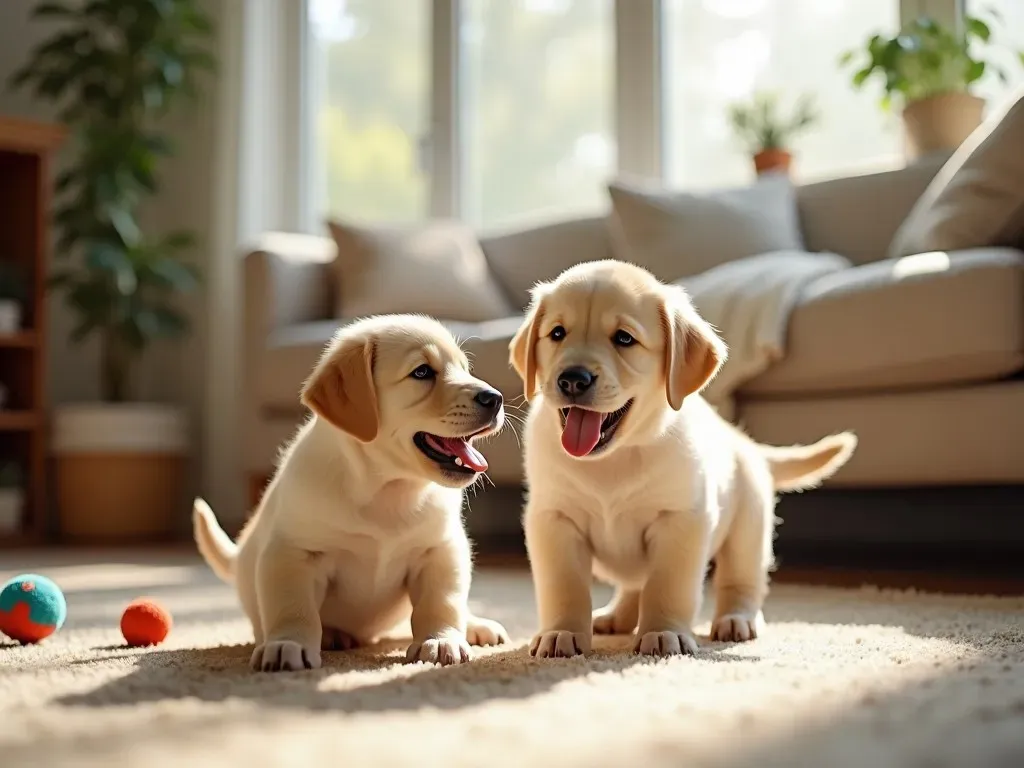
(638, 102)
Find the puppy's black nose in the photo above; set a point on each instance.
(489, 399)
(575, 381)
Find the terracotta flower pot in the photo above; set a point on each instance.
(772, 161)
(940, 123)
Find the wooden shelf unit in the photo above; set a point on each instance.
(26, 159)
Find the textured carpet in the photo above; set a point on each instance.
(841, 678)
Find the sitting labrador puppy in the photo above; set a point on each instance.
(361, 526)
(633, 476)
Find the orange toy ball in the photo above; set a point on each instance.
(145, 622)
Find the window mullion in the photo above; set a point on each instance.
(639, 95)
(443, 141)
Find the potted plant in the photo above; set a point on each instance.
(115, 69)
(929, 70)
(767, 133)
(12, 296)
(12, 497)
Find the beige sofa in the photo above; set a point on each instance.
(923, 364)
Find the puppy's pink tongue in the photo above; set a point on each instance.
(581, 432)
(456, 446)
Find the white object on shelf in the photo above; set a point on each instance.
(10, 316)
(12, 500)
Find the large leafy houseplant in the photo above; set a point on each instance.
(767, 131)
(926, 59)
(115, 69)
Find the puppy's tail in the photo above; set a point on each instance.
(216, 547)
(797, 467)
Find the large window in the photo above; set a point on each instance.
(371, 72)
(721, 51)
(502, 111)
(536, 84)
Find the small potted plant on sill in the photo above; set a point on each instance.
(12, 297)
(767, 133)
(929, 70)
(116, 69)
(12, 497)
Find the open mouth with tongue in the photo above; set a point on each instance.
(452, 454)
(587, 432)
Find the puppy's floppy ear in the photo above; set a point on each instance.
(522, 351)
(341, 390)
(693, 351)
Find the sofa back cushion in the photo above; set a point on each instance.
(433, 268)
(679, 234)
(857, 216)
(977, 199)
(523, 257)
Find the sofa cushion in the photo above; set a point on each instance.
(434, 268)
(929, 319)
(522, 257)
(977, 199)
(857, 216)
(679, 234)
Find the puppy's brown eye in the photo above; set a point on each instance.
(623, 339)
(557, 333)
(423, 372)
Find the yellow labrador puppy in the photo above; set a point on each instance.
(633, 476)
(361, 526)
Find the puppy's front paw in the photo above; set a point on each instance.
(737, 627)
(284, 656)
(665, 644)
(607, 622)
(560, 644)
(440, 650)
(485, 632)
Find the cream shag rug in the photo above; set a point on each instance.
(841, 678)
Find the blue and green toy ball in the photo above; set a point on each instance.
(31, 608)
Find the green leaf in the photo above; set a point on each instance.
(846, 58)
(174, 275)
(51, 10)
(975, 71)
(978, 28)
(125, 225)
(861, 77)
(1020, 56)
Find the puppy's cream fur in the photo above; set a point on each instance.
(359, 530)
(674, 487)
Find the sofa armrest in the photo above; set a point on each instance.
(286, 281)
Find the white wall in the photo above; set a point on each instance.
(172, 372)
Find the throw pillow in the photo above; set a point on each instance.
(977, 198)
(436, 268)
(677, 234)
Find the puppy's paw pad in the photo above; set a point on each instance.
(606, 622)
(560, 644)
(337, 640)
(485, 632)
(665, 644)
(444, 651)
(284, 656)
(736, 628)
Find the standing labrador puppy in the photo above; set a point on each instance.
(633, 476)
(361, 526)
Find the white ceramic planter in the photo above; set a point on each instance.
(120, 470)
(10, 316)
(12, 501)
